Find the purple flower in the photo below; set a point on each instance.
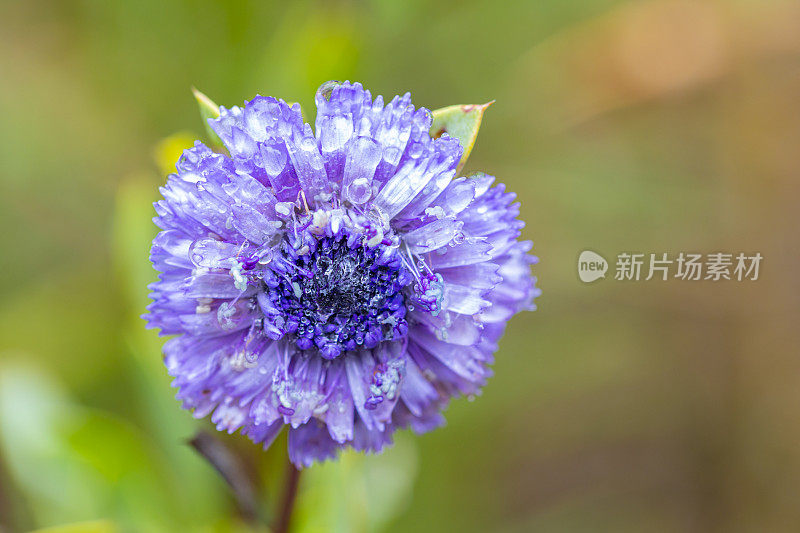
(343, 283)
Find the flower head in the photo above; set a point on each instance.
(342, 282)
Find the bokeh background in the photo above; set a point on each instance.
(650, 126)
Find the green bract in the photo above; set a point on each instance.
(208, 109)
(461, 122)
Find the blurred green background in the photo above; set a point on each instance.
(655, 126)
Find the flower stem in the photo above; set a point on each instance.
(289, 498)
(233, 470)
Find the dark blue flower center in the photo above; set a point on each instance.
(340, 295)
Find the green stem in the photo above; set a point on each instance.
(289, 499)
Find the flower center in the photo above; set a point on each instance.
(341, 294)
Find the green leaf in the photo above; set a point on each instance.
(208, 109)
(461, 122)
(72, 463)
